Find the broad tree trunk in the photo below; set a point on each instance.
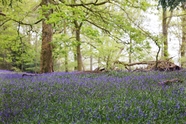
(165, 34)
(46, 64)
(183, 45)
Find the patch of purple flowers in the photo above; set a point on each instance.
(113, 97)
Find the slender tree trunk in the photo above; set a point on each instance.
(66, 50)
(75, 59)
(91, 62)
(66, 59)
(183, 45)
(36, 50)
(108, 64)
(91, 59)
(165, 34)
(99, 62)
(4, 60)
(46, 64)
(78, 47)
(130, 53)
(74, 52)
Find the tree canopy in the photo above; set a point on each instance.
(172, 4)
(77, 33)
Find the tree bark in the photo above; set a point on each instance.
(183, 45)
(78, 47)
(99, 61)
(108, 63)
(91, 60)
(66, 49)
(46, 64)
(165, 34)
(130, 52)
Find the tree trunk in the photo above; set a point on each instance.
(66, 58)
(46, 48)
(91, 60)
(108, 63)
(36, 56)
(66, 50)
(99, 61)
(78, 47)
(183, 45)
(75, 59)
(130, 52)
(165, 35)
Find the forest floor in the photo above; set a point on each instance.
(107, 97)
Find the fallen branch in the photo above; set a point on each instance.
(29, 75)
(161, 65)
(130, 64)
(167, 82)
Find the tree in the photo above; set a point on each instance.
(172, 4)
(47, 32)
(46, 64)
(183, 45)
(165, 26)
(92, 22)
(15, 40)
(78, 26)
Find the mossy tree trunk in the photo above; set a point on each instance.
(46, 64)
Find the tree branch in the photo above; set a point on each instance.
(168, 22)
(88, 4)
(5, 22)
(146, 33)
(2, 14)
(107, 31)
(89, 44)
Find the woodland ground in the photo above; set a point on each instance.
(92, 98)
